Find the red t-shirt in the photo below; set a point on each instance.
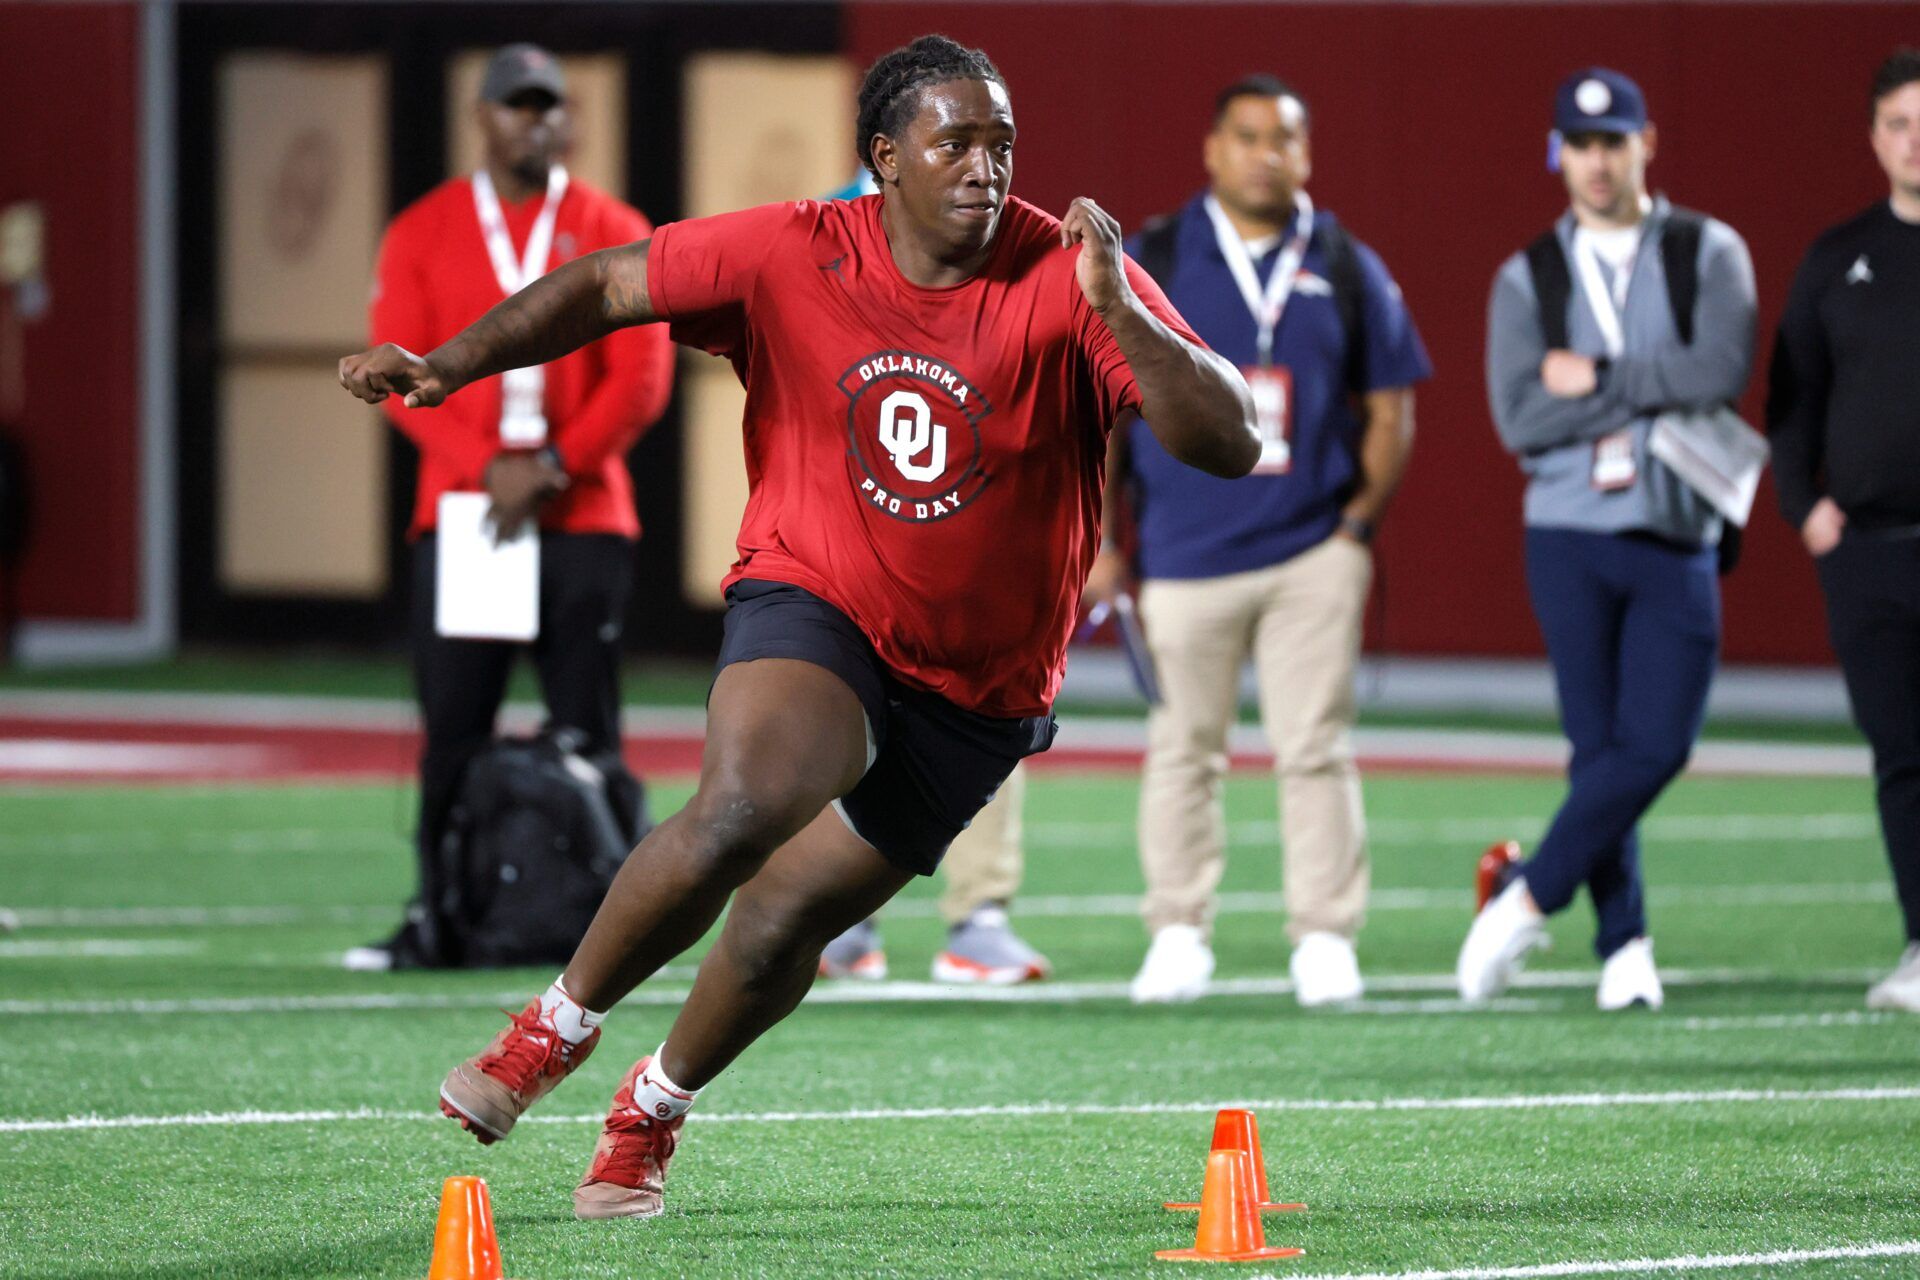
(434, 279)
(929, 461)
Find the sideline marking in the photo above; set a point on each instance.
(77, 755)
(1513, 1102)
(1637, 1266)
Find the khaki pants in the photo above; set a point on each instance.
(984, 864)
(1300, 621)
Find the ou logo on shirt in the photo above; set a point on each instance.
(907, 430)
(913, 426)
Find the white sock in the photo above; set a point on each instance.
(658, 1096)
(573, 1020)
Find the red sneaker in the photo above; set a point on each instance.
(629, 1171)
(490, 1091)
(1496, 869)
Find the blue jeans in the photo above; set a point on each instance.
(1632, 625)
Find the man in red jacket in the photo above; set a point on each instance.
(546, 444)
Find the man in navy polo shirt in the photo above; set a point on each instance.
(1276, 565)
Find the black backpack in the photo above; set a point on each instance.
(1679, 262)
(532, 843)
(1155, 257)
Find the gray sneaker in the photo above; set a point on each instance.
(856, 954)
(984, 950)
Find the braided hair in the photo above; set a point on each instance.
(890, 94)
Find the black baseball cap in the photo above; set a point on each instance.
(518, 68)
(1599, 100)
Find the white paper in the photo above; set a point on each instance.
(1719, 456)
(484, 591)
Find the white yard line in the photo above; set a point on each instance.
(1634, 1266)
(1796, 1021)
(1249, 902)
(1728, 828)
(1725, 828)
(1070, 905)
(1511, 1102)
(97, 948)
(849, 992)
(196, 917)
(282, 840)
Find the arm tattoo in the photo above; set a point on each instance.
(564, 310)
(624, 298)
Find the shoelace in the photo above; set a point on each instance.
(527, 1056)
(638, 1142)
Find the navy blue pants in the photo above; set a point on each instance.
(1632, 625)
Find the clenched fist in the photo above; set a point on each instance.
(390, 370)
(1102, 266)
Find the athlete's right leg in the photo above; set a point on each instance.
(784, 737)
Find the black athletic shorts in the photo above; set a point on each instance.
(934, 765)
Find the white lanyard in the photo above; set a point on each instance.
(523, 421)
(515, 276)
(1265, 304)
(1607, 304)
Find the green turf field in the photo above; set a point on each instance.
(176, 974)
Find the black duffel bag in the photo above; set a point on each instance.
(534, 839)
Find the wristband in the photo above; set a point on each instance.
(1359, 528)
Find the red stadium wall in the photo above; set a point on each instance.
(1429, 140)
(71, 74)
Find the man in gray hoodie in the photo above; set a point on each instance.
(1629, 308)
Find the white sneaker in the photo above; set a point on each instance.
(1629, 978)
(1899, 990)
(1496, 947)
(1325, 970)
(1178, 967)
(367, 959)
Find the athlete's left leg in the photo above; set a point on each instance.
(814, 887)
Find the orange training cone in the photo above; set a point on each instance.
(1230, 1228)
(1236, 1130)
(464, 1246)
